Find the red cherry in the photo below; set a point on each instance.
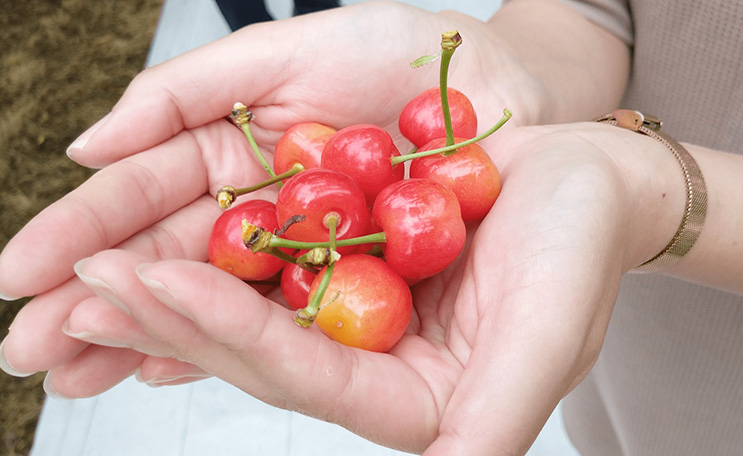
(295, 285)
(316, 194)
(422, 119)
(423, 227)
(302, 143)
(366, 305)
(469, 173)
(226, 249)
(363, 152)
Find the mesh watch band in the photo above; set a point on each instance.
(696, 190)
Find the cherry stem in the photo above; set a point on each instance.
(304, 317)
(399, 159)
(228, 194)
(280, 242)
(242, 117)
(449, 42)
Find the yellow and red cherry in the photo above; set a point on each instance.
(423, 227)
(366, 304)
(302, 143)
(422, 119)
(470, 173)
(364, 153)
(226, 248)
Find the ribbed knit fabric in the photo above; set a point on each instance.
(669, 380)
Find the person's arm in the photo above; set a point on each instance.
(576, 70)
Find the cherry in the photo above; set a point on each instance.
(302, 143)
(423, 227)
(316, 194)
(422, 119)
(364, 153)
(469, 173)
(226, 249)
(295, 285)
(366, 304)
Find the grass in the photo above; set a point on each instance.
(63, 65)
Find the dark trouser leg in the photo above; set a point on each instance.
(239, 13)
(310, 6)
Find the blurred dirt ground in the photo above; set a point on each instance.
(63, 65)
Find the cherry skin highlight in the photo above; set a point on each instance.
(470, 173)
(317, 193)
(423, 227)
(366, 305)
(226, 249)
(302, 143)
(363, 152)
(422, 119)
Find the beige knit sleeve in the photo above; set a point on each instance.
(612, 15)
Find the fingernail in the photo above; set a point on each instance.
(99, 287)
(161, 291)
(5, 297)
(166, 381)
(90, 337)
(49, 390)
(78, 145)
(6, 367)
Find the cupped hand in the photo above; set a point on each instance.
(166, 148)
(498, 338)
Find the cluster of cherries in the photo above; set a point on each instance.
(350, 233)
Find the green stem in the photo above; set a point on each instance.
(283, 256)
(445, 59)
(332, 222)
(242, 117)
(280, 242)
(256, 150)
(449, 43)
(227, 194)
(305, 317)
(506, 115)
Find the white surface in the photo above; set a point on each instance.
(211, 417)
(208, 417)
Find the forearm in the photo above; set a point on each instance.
(575, 70)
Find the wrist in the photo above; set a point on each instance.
(657, 196)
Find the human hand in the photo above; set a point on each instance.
(497, 340)
(168, 146)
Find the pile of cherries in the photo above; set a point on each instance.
(350, 233)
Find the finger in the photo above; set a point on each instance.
(291, 367)
(95, 370)
(97, 321)
(110, 207)
(36, 342)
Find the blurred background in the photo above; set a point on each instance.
(63, 65)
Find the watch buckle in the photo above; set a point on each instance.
(633, 120)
